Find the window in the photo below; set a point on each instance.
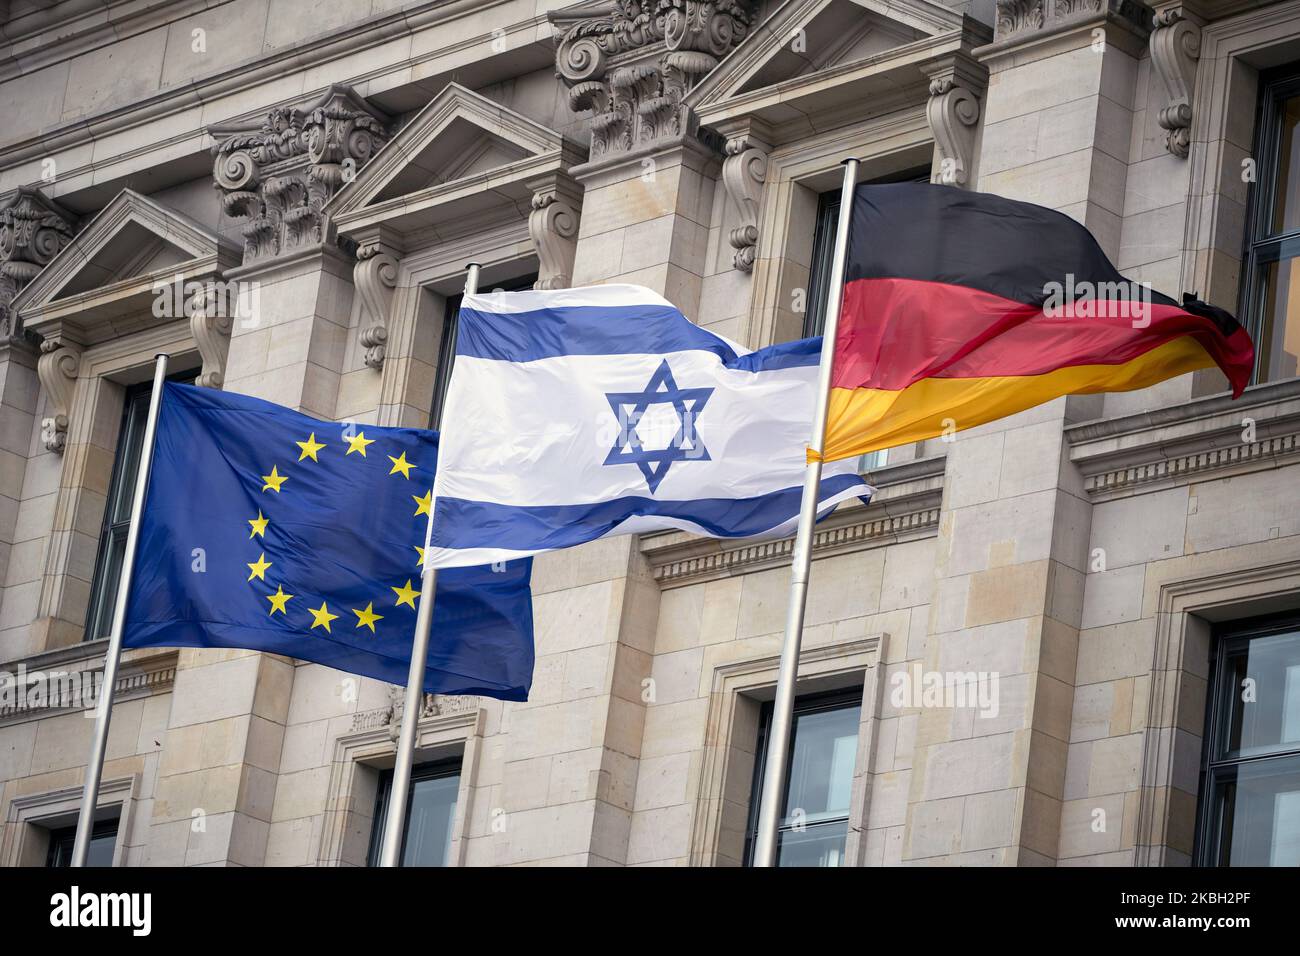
(819, 780)
(1250, 775)
(447, 344)
(1271, 303)
(430, 812)
(117, 511)
(103, 841)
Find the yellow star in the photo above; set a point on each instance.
(420, 551)
(259, 567)
(424, 504)
(310, 447)
(259, 524)
(407, 594)
(274, 480)
(401, 464)
(359, 443)
(321, 617)
(368, 617)
(278, 600)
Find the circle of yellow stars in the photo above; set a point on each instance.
(322, 616)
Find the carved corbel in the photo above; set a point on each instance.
(375, 276)
(1175, 49)
(953, 112)
(210, 324)
(743, 173)
(553, 227)
(57, 369)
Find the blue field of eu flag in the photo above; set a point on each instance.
(269, 530)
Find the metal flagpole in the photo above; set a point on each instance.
(395, 820)
(104, 706)
(778, 745)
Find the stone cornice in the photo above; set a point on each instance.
(1021, 23)
(1204, 439)
(904, 508)
(66, 679)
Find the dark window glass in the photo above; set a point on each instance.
(1250, 802)
(103, 841)
(117, 511)
(447, 344)
(430, 812)
(819, 780)
(1271, 286)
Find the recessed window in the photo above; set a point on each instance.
(814, 823)
(1272, 275)
(103, 843)
(447, 344)
(117, 512)
(430, 814)
(1250, 800)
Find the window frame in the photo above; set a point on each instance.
(1228, 637)
(804, 704)
(58, 853)
(428, 770)
(1263, 246)
(447, 343)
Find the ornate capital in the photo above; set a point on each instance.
(1175, 49)
(630, 62)
(57, 369)
(1022, 19)
(553, 227)
(743, 173)
(375, 275)
(278, 175)
(953, 112)
(33, 230)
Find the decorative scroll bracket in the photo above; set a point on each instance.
(743, 173)
(1175, 50)
(953, 112)
(210, 325)
(57, 369)
(375, 275)
(553, 227)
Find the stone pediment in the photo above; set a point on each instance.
(832, 54)
(113, 265)
(458, 157)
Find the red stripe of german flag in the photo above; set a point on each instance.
(918, 356)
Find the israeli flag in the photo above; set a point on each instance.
(577, 414)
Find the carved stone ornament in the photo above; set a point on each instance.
(1175, 49)
(210, 324)
(390, 716)
(553, 227)
(278, 175)
(57, 369)
(1022, 18)
(952, 113)
(375, 275)
(743, 173)
(630, 62)
(33, 230)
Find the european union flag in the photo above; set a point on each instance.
(269, 530)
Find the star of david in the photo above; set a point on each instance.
(685, 445)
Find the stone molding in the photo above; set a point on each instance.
(375, 277)
(905, 507)
(142, 674)
(1020, 20)
(57, 369)
(33, 230)
(279, 174)
(1195, 441)
(631, 63)
(46, 808)
(1175, 50)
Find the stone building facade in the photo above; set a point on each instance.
(1062, 638)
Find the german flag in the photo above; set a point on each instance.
(963, 307)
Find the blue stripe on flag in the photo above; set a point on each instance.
(545, 527)
(799, 354)
(634, 329)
